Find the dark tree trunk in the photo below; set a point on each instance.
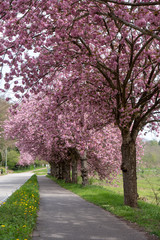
(56, 170)
(53, 169)
(66, 171)
(84, 171)
(60, 170)
(74, 170)
(74, 162)
(128, 168)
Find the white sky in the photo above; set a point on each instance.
(151, 136)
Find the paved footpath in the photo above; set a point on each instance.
(11, 182)
(65, 216)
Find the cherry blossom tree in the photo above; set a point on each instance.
(56, 137)
(107, 53)
(25, 159)
(42, 133)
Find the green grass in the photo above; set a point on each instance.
(4, 171)
(40, 171)
(27, 169)
(110, 198)
(148, 185)
(18, 214)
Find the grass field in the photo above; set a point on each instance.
(30, 168)
(148, 182)
(149, 185)
(147, 215)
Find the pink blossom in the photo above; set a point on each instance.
(6, 86)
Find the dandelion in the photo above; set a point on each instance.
(24, 226)
(2, 225)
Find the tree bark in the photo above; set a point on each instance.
(84, 171)
(128, 168)
(66, 171)
(74, 162)
(54, 169)
(60, 170)
(74, 170)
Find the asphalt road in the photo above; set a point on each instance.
(65, 216)
(11, 182)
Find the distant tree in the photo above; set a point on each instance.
(3, 115)
(0, 158)
(4, 143)
(12, 159)
(151, 157)
(153, 142)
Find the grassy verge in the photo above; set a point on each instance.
(27, 169)
(18, 214)
(2, 171)
(146, 215)
(40, 171)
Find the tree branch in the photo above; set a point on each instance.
(134, 61)
(142, 30)
(138, 4)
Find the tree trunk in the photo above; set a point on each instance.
(60, 170)
(66, 171)
(74, 170)
(53, 169)
(74, 161)
(84, 171)
(128, 168)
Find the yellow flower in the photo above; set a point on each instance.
(2, 225)
(24, 226)
(4, 203)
